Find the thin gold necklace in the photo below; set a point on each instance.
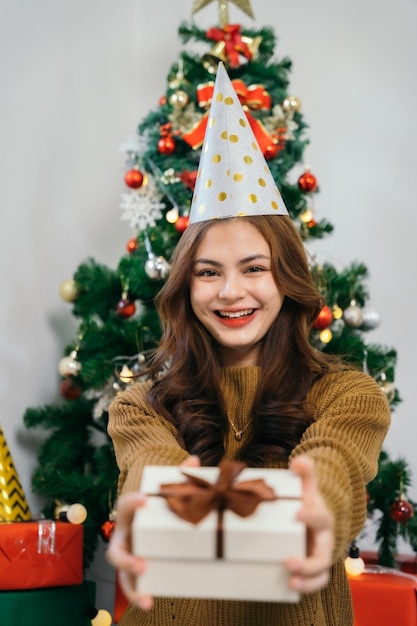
(239, 433)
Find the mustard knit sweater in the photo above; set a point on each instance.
(351, 418)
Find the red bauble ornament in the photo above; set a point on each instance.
(132, 245)
(307, 182)
(134, 179)
(167, 145)
(401, 511)
(68, 389)
(162, 100)
(125, 308)
(271, 151)
(324, 318)
(107, 529)
(182, 223)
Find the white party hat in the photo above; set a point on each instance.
(233, 177)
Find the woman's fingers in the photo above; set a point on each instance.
(312, 572)
(191, 461)
(119, 550)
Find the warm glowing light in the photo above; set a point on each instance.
(126, 375)
(326, 335)
(76, 513)
(337, 312)
(172, 216)
(354, 566)
(307, 216)
(103, 618)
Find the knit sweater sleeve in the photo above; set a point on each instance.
(140, 437)
(351, 419)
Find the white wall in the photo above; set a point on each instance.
(76, 78)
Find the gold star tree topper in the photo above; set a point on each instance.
(244, 5)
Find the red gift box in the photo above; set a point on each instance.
(44, 553)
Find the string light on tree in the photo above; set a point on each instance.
(354, 563)
(73, 513)
(172, 215)
(326, 335)
(99, 617)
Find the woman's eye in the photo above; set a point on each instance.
(255, 268)
(206, 273)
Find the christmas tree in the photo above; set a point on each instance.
(117, 323)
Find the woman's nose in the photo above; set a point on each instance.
(231, 288)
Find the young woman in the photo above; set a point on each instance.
(236, 377)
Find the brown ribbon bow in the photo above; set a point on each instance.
(194, 499)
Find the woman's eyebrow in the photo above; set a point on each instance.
(248, 259)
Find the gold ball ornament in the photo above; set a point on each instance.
(179, 99)
(69, 290)
(291, 104)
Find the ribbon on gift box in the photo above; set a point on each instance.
(194, 499)
(46, 536)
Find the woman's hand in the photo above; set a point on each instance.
(312, 572)
(119, 552)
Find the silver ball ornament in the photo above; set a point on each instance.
(353, 316)
(163, 267)
(156, 267)
(371, 319)
(69, 366)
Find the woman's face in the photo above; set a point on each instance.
(232, 290)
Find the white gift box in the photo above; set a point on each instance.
(181, 556)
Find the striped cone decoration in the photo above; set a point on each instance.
(13, 504)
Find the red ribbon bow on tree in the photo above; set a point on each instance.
(252, 97)
(234, 44)
(196, 498)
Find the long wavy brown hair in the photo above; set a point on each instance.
(188, 392)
